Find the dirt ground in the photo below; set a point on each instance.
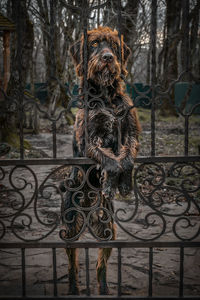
(166, 261)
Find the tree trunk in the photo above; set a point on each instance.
(170, 65)
(21, 55)
(129, 14)
(22, 46)
(6, 59)
(194, 40)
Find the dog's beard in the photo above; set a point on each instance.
(105, 77)
(103, 74)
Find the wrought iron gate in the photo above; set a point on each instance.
(28, 184)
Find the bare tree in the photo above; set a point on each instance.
(21, 55)
(59, 27)
(21, 46)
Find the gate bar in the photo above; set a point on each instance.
(23, 272)
(153, 70)
(106, 244)
(87, 271)
(103, 297)
(150, 270)
(181, 271)
(84, 160)
(54, 272)
(54, 139)
(119, 271)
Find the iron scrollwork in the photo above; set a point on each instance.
(85, 210)
(22, 211)
(166, 197)
(171, 194)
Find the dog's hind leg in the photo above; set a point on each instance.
(72, 254)
(101, 268)
(103, 257)
(72, 223)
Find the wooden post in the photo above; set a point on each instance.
(6, 59)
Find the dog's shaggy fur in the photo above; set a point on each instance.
(112, 144)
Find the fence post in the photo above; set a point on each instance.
(153, 70)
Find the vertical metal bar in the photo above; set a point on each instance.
(186, 135)
(54, 272)
(21, 125)
(23, 272)
(52, 66)
(87, 271)
(150, 270)
(186, 62)
(85, 68)
(119, 17)
(181, 271)
(98, 14)
(20, 95)
(54, 139)
(35, 119)
(119, 272)
(119, 134)
(185, 41)
(153, 70)
(153, 40)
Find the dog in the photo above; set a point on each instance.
(111, 127)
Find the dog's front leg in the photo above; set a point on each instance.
(125, 179)
(110, 166)
(111, 170)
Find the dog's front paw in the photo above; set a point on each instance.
(111, 167)
(110, 177)
(62, 187)
(73, 290)
(103, 288)
(108, 191)
(125, 179)
(125, 182)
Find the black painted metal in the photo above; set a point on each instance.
(154, 167)
(153, 71)
(54, 272)
(150, 270)
(119, 271)
(87, 263)
(23, 272)
(101, 297)
(105, 244)
(181, 271)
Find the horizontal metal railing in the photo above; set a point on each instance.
(84, 160)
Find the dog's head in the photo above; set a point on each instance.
(105, 62)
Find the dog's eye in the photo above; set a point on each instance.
(95, 44)
(108, 125)
(114, 45)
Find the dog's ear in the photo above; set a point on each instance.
(127, 53)
(125, 56)
(75, 51)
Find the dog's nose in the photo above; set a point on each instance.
(107, 57)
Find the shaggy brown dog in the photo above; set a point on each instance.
(112, 133)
